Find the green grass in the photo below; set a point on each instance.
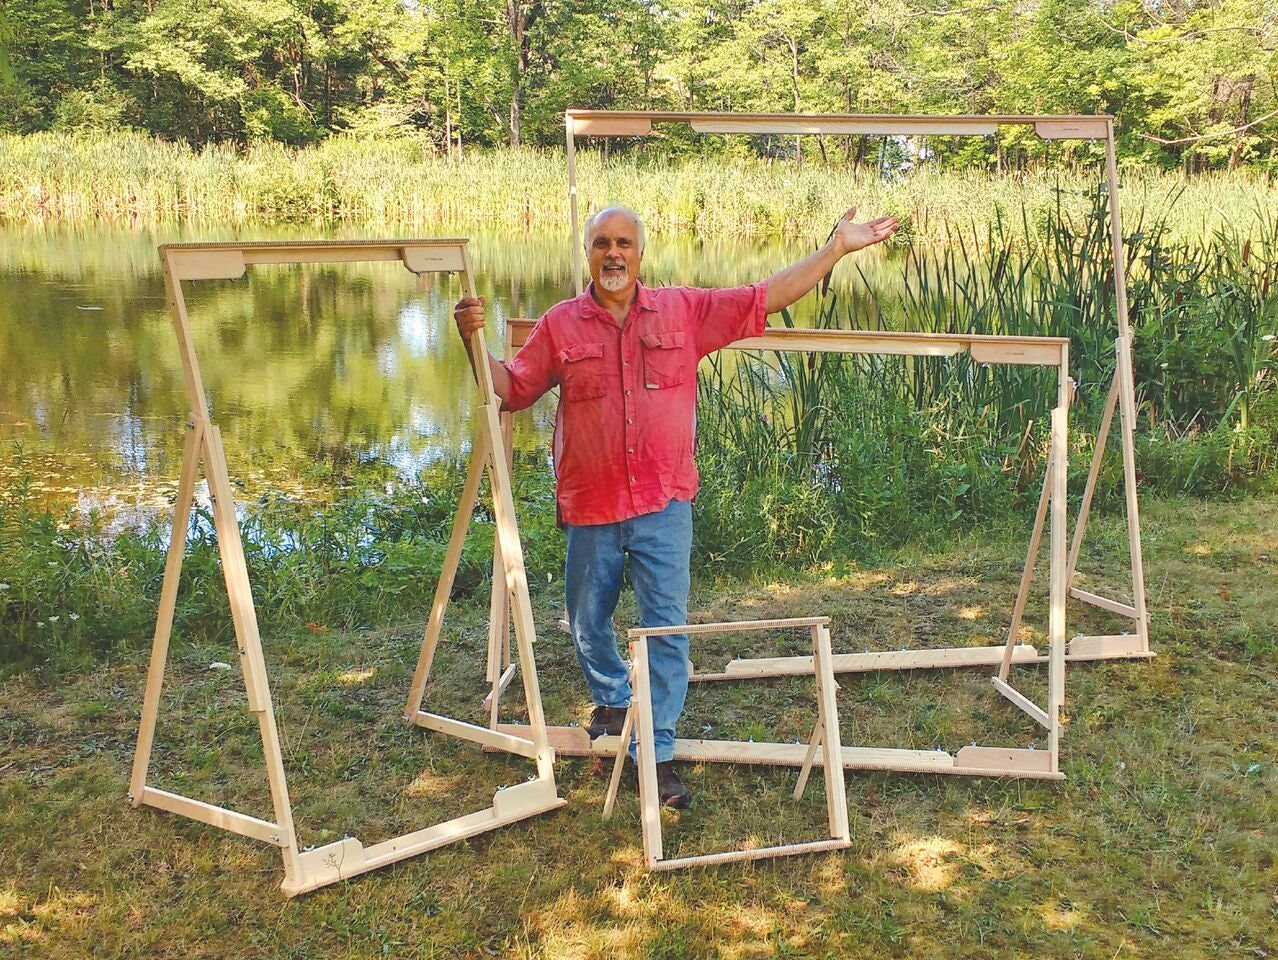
(1159, 843)
(128, 176)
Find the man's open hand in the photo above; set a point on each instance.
(851, 236)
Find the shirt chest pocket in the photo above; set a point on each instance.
(665, 359)
(583, 372)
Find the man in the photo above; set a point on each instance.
(625, 358)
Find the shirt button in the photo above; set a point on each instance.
(630, 420)
(634, 479)
(631, 450)
(627, 393)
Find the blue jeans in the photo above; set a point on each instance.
(659, 545)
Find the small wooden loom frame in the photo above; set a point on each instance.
(607, 123)
(825, 739)
(970, 760)
(307, 870)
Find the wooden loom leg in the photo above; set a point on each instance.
(461, 522)
(836, 799)
(1098, 455)
(1058, 590)
(649, 801)
(1127, 402)
(614, 783)
(499, 603)
(248, 639)
(809, 758)
(168, 603)
(517, 589)
(1027, 575)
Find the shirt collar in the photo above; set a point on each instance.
(590, 306)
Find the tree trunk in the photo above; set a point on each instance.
(520, 16)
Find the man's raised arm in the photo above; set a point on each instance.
(793, 282)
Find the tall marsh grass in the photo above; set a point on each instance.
(401, 182)
(812, 458)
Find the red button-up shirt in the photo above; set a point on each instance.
(626, 423)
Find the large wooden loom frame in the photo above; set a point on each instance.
(638, 123)
(825, 740)
(310, 869)
(972, 760)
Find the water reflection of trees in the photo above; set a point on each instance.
(302, 364)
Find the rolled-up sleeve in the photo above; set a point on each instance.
(533, 370)
(731, 314)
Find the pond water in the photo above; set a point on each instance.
(304, 365)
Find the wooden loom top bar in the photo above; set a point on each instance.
(622, 123)
(226, 260)
(314, 244)
(985, 348)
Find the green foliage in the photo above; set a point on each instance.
(73, 588)
(1192, 85)
(827, 457)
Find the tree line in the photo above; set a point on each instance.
(1192, 82)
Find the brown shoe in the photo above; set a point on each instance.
(671, 789)
(606, 722)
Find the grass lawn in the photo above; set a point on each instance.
(1161, 842)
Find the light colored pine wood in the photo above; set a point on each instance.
(574, 742)
(476, 734)
(1127, 418)
(623, 745)
(248, 639)
(1009, 759)
(740, 856)
(1079, 128)
(500, 666)
(308, 870)
(999, 349)
(612, 127)
(1113, 606)
(1031, 709)
(448, 572)
(1058, 587)
(831, 744)
(875, 126)
(825, 739)
(214, 816)
(208, 264)
(759, 667)
(349, 858)
(493, 696)
(739, 626)
(984, 349)
(574, 219)
(1027, 574)
(168, 604)
(1098, 457)
(1111, 647)
(645, 758)
(638, 123)
(809, 758)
